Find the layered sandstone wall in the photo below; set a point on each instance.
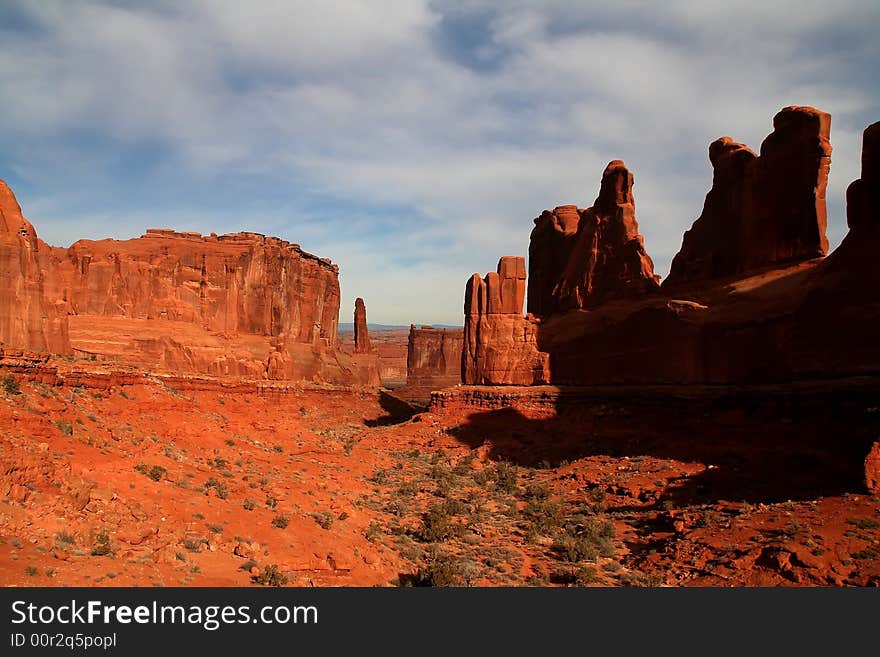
(240, 305)
(433, 357)
(500, 345)
(28, 318)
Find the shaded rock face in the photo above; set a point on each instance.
(433, 357)
(582, 258)
(361, 334)
(872, 469)
(28, 319)
(863, 195)
(500, 345)
(765, 209)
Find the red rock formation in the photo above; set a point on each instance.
(762, 210)
(550, 248)
(582, 258)
(433, 357)
(872, 469)
(28, 320)
(237, 283)
(500, 345)
(239, 305)
(863, 195)
(361, 334)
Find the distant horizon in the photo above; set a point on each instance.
(417, 150)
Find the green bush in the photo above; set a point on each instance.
(66, 428)
(10, 385)
(270, 576)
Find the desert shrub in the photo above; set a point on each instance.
(154, 472)
(31, 571)
(446, 570)
(101, 546)
(270, 576)
(505, 476)
(575, 575)
(10, 385)
(218, 486)
(249, 505)
(65, 539)
(280, 521)
(323, 518)
(864, 523)
(585, 539)
(373, 533)
(215, 529)
(638, 578)
(66, 428)
(867, 553)
(438, 522)
(543, 517)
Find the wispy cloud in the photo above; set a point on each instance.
(410, 141)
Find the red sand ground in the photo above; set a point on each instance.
(148, 485)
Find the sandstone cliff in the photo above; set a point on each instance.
(240, 305)
(433, 357)
(28, 319)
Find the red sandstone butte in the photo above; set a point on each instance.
(787, 321)
(229, 305)
(582, 258)
(433, 357)
(500, 345)
(361, 334)
(763, 210)
(28, 319)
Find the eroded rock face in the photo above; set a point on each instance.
(28, 319)
(872, 469)
(500, 345)
(582, 258)
(231, 284)
(765, 209)
(433, 357)
(238, 305)
(361, 334)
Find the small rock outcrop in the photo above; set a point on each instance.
(581, 258)
(361, 333)
(762, 210)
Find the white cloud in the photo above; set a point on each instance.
(359, 102)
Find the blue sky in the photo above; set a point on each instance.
(412, 142)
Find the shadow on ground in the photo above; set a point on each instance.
(762, 448)
(397, 411)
